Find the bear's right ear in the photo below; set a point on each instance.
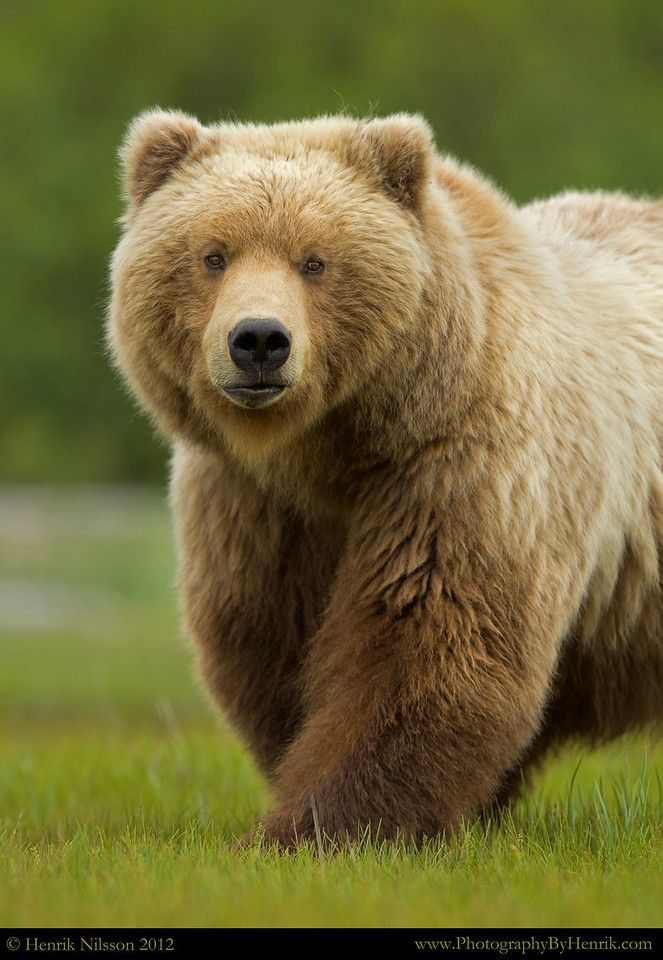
(156, 143)
(399, 150)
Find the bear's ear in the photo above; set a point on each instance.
(155, 143)
(400, 148)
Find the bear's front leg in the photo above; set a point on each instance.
(253, 579)
(424, 685)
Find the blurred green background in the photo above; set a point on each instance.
(540, 95)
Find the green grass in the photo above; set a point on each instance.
(120, 792)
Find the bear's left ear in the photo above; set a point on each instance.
(400, 148)
(157, 141)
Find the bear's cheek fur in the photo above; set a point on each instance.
(151, 346)
(367, 315)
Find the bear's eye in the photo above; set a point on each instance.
(215, 260)
(314, 265)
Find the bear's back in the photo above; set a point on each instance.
(629, 227)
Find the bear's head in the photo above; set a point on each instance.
(267, 274)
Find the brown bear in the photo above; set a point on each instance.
(417, 478)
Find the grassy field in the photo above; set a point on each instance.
(120, 791)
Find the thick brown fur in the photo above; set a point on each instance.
(439, 552)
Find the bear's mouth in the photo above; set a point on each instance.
(256, 395)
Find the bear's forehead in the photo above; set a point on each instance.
(329, 134)
(250, 192)
(276, 171)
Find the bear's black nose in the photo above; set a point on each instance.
(259, 346)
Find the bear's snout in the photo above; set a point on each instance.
(259, 346)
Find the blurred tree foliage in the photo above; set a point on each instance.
(541, 95)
